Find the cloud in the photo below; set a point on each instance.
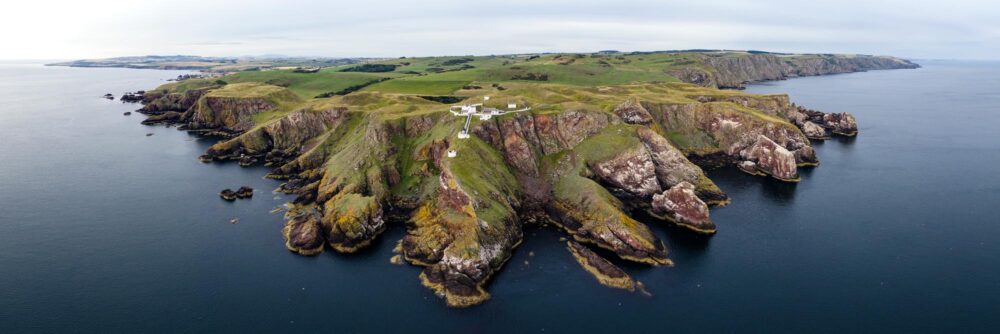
(916, 28)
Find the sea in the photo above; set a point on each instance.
(109, 226)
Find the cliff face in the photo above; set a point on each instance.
(156, 103)
(276, 141)
(586, 164)
(224, 111)
(735, 71)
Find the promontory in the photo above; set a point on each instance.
(464, 151)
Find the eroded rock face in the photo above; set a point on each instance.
(230, 115)
(351, 221)
(841, 123)
(632, 112)
(463, 221)
(280, 140)
(671, 165)
(680, 205)
(520, 136)
(813, 131)
(806, 156)
(302, 232)
(354, 189)
(459, 249)
(737, 71)
(156, 103)
(607, 273)
(694, 76)
(591, 214)
(772, 159)
(632, 171)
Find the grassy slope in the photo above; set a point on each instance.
(575, 82)
(307, 85)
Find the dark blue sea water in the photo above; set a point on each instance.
(104, 229)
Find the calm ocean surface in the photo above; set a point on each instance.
(104, 229)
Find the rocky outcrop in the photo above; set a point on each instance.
(806, 156)
(229, 115)
(841, 123)
(632, 171)
(158, 102)
(227, 194)
(278, 140)
(302, 231)
(607, 273)
(736, 70)
(722, 127)
(584, 159)
(672, 167)
(244, 192)
(524, 137)
(225, 111)
(680, 205)
(632, 112)
(593, 215)
(354, 189)
(694, 75)
(466, 229)
(813, 131)
(771, 159)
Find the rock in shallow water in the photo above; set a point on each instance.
(606, 272)
(244, 192)
(814, 131)
(680, 205)
(228, 194)
(841, 123)
(772, 159)
(302, 232)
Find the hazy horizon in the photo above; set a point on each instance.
(62, 30)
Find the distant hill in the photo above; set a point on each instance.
(211, 64)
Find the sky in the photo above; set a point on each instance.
(917, 29)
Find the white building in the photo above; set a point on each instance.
(463, 134)
(452, 153)
(512, 106)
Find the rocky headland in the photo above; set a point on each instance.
(584, 158)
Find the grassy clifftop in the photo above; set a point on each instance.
(592, 140)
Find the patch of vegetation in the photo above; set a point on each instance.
(443, 99)
(531, 76)
(456, 61)
(307, 85)
(371, 68)
(419, 85)
(350, 89)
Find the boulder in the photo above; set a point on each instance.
(632, 171)
(228, 194)
(814, 131)
(772, 159)
(302, 232)
(607, 273)
(244, 192)
(680, 205)
(841, 123)
(632, 112)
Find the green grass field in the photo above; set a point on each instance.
(418, 86)
(448, 75)
(307, 85)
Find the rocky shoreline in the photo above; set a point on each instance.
(354, 164)
(736, 72)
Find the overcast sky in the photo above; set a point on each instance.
(44, 29)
